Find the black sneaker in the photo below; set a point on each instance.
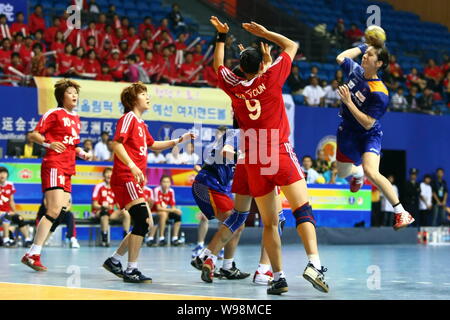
(162, 243)
(115, 269)
(278, 287)
(233, 273)
(105, 244)
(175, 243)
(136, 276)
(197, 263)
(10, 244)
(316, 277)
(151, 243)
(27, 244)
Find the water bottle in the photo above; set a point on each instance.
(86, 215)
(182, 238)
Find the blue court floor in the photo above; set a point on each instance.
(354, 272)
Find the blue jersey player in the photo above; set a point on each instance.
(364, 101)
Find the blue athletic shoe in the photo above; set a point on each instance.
(196, 250)
(221, 254)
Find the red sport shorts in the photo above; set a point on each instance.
(126, 192)
(55, 178)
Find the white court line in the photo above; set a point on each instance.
(350, 279)
(13, 264)
(398, 281)
(423, 282)
(446, 284)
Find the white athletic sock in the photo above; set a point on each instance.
(131, 266)
(28, 239)
(116, 257)
(35, 249)
(399, 208)
(263, 268)
(204, 253)
(6, 239)
(151, 238)
(227, 264)
(200, 243)
(359, 172)
(174, 238)
(161, 238)
(213, 257)
(315, 260)
(278, 275)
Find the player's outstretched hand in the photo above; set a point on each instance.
(267, 58)
(255, 29)
(220, 27)
(188, 136)
(345, 95)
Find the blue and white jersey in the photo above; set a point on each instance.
(217, 172)
(370, 97)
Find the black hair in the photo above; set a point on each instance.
(165, 176)
(15, 54)
(222, 128)
(2, 16)
(132, 57)
(250, 60)
(237, 71)
(307, 156)
(440, 169)
(37, 45)
(427, 176)
(4, 169)
(104, 132)
(383, 56)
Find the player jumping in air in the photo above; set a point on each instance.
(131, 141)
(364, 101)
(59, 132)
(259, 109)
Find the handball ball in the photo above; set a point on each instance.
(375, 35)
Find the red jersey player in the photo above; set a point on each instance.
(164, 197)
(103, 202)
(259, 109)
(8, 208)
(131, 141)
(59, 132)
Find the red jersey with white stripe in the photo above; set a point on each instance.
(6, 191)
(60, 125)
(258, 103)
(168, 198)
(104, 195)
(148, 194)
(133, 133)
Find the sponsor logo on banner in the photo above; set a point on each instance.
(329, 146)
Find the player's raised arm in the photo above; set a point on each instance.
(289, 46)
(219, 51)
(351, 53)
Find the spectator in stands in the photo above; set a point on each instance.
(174, 156)
(331, 176)
(156, 157)
(166, 209)
(313, 93)
(19, 26)
(168, 71)
(387, 210)
(111, 14)
(36, 21)
(331, 97)
(91, 64)
(101, 151)
(413, 99)
(109, 145)
(426, 201)
(5, 52)
(88, 147)
(115, 65)
(311, 175)
(101, 23)
(93, 7)
(314, 73)
(103, 207)
(440, 195)
(394, 69)
(295, 82)
(57, 44)
(17, 64)
(188, 68)
(354, 34)
(339, 33)
(176, 19)
(398, 101)
(131, 74)
(50, 71)
(433, 74)
(77, 61)
(426, 101)
(150, 65)
(30, 150)
(17, 42)
(105, 75)
(198, 56)
(5, 33)
(339, 77)
(411, 195)
(50, 32)
(413, 78)
(38, 61)
(147, 24)
(189, 156)
(231, 49)
(446, 88)
(64, 61)
(321, 164)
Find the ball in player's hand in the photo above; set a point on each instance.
(375, 36)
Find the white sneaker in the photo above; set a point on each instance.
(263, 279)
(74, 243)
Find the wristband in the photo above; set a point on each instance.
(363, 47)
(82, 154)
(46, 145)
(131, 165)
(221, 37)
